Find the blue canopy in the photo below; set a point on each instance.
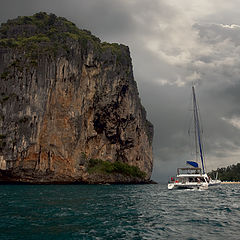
(194, 164)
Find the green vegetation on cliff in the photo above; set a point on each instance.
(230, 173)
(98, 165)
(47, 33)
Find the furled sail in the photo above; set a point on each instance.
(192, 163)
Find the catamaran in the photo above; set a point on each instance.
(194, 177)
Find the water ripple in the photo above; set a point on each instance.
(118, 212)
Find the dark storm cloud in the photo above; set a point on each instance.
(214, 33)
(99, 16)
(217, 72)
(173, 43)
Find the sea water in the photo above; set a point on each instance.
(118, 212)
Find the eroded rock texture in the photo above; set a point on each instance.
(67, 98)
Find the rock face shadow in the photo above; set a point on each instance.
(67, 99)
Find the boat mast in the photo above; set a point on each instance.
(197, 128)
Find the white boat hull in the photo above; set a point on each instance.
(215, 182)
(201, 186)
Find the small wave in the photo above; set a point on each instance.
(122, 212)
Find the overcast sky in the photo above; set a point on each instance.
(173, 43)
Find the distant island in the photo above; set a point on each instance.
(230, 173)
(70, 108)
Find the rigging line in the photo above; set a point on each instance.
(195, 134)
(202, 138)
(189, 126)
(195, 127)
(198, 127)
(188, 120)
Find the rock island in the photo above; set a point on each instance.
(70, 109)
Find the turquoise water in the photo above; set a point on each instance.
(118, 212)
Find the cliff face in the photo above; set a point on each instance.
(70, 109)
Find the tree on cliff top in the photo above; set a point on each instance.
(50, 33)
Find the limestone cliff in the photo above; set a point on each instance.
(70, 109)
